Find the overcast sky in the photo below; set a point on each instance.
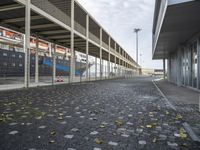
(120, 17)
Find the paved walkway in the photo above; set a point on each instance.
(124, 114)
(180, 94)
(186, 102)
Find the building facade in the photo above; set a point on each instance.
(68, 24)
(176, 38)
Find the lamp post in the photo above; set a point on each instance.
(136, 30)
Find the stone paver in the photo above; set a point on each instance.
(125, 114)
(186, 102)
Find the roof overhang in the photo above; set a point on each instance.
(181, 22)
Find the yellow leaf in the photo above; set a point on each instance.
(178, 116)
(118, 123)
(102, 126)
(53, 133)
(149, 126)
(52, 141)
(98, 141)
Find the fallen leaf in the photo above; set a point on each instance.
(51, 141)
(98, 141)
(119, 123)
(52, 132)
(149, 126)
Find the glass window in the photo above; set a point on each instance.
(194, 64)
(5, 64)
(4, 46)
(5, 54)
(13, 64)
(186, 68)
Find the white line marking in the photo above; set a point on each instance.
(163, 95)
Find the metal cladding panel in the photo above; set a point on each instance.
(63, 5)
(180, 23)
(7, 2)
(53, 10)
(16, 13)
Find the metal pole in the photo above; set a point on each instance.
(136, 30)
(27, 44)
(115, 67)
(54, 63)
(164, 68)
(80, 70)
(95, 68)
(102, 68)
(137, 47)
(89, 72)
(36, 60)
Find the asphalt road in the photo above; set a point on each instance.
(123, 114)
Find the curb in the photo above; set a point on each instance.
(163, 95)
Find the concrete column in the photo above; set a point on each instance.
(27, 44)
(164, 72)
(72, 61)
(101, 69)
(36, 60)
(54, 63)
(115, 57)
(108, 65)
(101, 53)
(95, 68)
(87, 47)
(109, 48)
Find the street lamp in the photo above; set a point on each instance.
(136, 30)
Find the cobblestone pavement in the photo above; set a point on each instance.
(124, 114)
